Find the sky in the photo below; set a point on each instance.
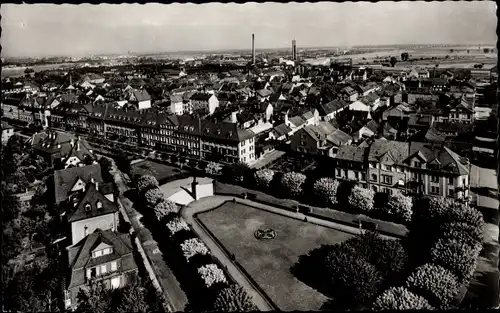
(78, 30)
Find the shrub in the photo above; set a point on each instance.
(326, 190)
(153, 196)
(146, 182)
(361, 199)
(400, 207)
(263, 178)
(233, 299)
(193, 246)
(236, 172)
(400, 298)
(292, 183)
(176, 225)
(463, 232)
(352, 277)
(457, 256)
(165, 208)
(211, 274)
(435, 283)
(431, 209)
(461, 213)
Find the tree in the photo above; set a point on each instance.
(326, 190)
(468, 51)
(153, 197)
(165, 208)
(106, 167)
(212, 274)
(400, 298)
(96, 298)
(132, 298)
(292, 183)
(393, 61)
(352, 277)
(431, 210)
(193, 246)
(458, 257)
(145, 183)
(176, 225)
(435, 283)
(451, 50)
(236, 172)
(404, 56)
(400, 207)
(233, 299)
(486, 50)
(460, 213)
(389, 257)
(361, 199)
(263, 178)
(463, 232)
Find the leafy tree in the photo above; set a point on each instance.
(435, 283)
(292, 183)
(486, 50)
(236, 172)
(431, 210)
(457, 256)
(193, 246)
(400, 207)
(212, 274)
(361, 199)
(352, 277)
(176, 225)
(233, 299)
(145, 183)
(393, 61)
(153, 197)
(263, 178)
(463, 232)
(400, 298)
(404, 56)
(460, 213)
(95, 298)
(326, 189)
(106, 167)
(132, 298)
(165, 208)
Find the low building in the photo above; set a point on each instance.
(140, 99)
(202, 103)
(103, 256)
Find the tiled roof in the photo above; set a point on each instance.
(282, 129)
(201, 96)
(91, 197)
(297, 121)
(61, 143)
(448, 160)
(397, 150)
(338, 137)
(332, 106)
(351, 153)
(65, 179)
(80, 254)
(141, 95)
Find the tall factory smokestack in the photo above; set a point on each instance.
(253, 49)
(294, 50)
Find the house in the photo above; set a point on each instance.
(419, 73)
(202, 103)
(461, 112)
(74, 180)
(360, 74)
(176, 104)
(101, 256)
(90, 210)
(174, 73)
(61, 149)
(311, 117)
(401, 111)
(266, 111)
(329, 111)
(312, 140)
(11, 104)
(30, 87)
(280, 132)
(7, 132)
(348, 94)
(140, 99)
(363, 132)
(350, 164)
(359, 106)
(94, 79)
(263, 95)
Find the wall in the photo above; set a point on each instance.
(78, 228)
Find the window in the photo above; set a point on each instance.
(363, 176)
(345, 173)
(387, 179)
(339, 172)
(417, 164)
(113, 266)
(434, 178)
(99, 205)
(450, 180)
(435, 190)
(399, 169)
(451, 193)
(97, 254)
(371, 165)
(104, 269)
(374, 177)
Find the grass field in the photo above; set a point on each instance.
(158, 170)
(269, 262)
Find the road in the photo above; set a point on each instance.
(170, 286)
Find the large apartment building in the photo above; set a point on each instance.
(413, 167)
(189, 136)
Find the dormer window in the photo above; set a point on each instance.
(99, 204)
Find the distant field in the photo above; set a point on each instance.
(269, 262)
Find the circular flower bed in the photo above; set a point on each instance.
(265, 234)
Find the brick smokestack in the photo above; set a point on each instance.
(253, 48)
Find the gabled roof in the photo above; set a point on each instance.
(264, 93)
(65, 179)
(351, 153)
(297, 121)
(81, 253)
(91, 197)
(202, 96)
(282, 129)
(399, 150)
(339, 138)
(141, 95)
(449, 160)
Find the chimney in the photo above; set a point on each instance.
(72, 142)
(194, 188)
(253, 49)
(97, 186)
(77, 146)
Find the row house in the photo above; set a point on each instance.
(11, 104)
(412, 167)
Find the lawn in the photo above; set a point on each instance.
(269, 262)
(160, 171)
